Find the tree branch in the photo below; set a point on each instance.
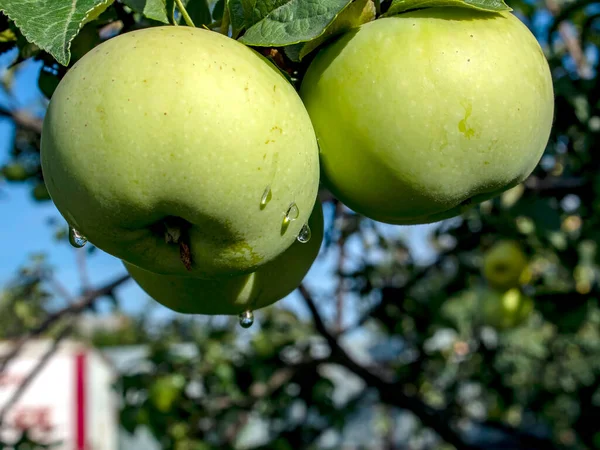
(570, 39)
(389, 392)
(23, 120)
(340, 289)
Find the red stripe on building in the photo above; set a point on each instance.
(80, 401)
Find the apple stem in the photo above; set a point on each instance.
(184, 13)
(185, 254)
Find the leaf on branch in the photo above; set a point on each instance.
(399, 6)
(356, 14)
(52, 24)
(245, 13)
(296, 21)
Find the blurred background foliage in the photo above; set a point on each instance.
(475, 362)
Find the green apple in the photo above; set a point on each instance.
(423, 114)
(181, 134)
(234, 295)
(505, 309)
(505, 265)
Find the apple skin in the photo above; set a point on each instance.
(234, 295)
(505, 265)
(419, 116)
(186, 125)
(505, 309)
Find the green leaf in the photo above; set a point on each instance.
(357, 13)
(399, 6)
(245, 13)
(296, 21)
(152, 9)
(51, 24)
(97, 11)
(237, 15)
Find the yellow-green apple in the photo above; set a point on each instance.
(234, 295)
(505, 265)
(422, 114)
(505, 309)
(183, 135)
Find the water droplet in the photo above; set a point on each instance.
(246, 319)
(291, 214)
(76, 239)
(304, 235)
(266, 197)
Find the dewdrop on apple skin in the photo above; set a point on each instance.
(246, 319)
(304, 235)
(291, 214)
(76, 239)
(266, 197)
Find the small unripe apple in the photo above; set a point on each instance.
(270, 283)
(505, 265)
(181, 134)
(505, 309)
(15, 172)
(424, 114)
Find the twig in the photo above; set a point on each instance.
(85, 301)
(184, 13)
(339, 304)
(23, 120)
(571, 42)
(34, 372)
(417, 277)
